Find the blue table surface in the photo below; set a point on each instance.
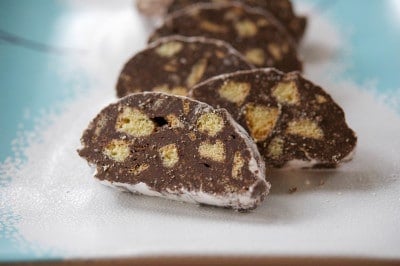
(29, 83)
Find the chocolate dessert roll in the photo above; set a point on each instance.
(281, 9)
(293, 121)
(256, 34)
(174, 64)
(174, 147)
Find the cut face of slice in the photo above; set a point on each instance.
(281, 9)
(291, 119)
(174, 64)
(258, 35)
(174, 147)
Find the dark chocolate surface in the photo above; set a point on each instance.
(259, 36)
(281, 9)
(175, 64)
(318, 132)
(174, 121)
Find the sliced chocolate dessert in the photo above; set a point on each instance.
(293, 121)
(174, 64)
(258, 35)
(174, 147)
(281, 9)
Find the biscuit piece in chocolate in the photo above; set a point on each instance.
(174, 147)
(294, 122)
(256, 34)
(281, 9)
(174, 64)
(153, 7)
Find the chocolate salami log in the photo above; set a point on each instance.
(281, 9)
(174, 64)
(294, 122)
(169, 146)
(256, 34)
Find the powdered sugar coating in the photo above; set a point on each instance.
(244, 200)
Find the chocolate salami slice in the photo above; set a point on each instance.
(170, 146)
(281, 9)
(174, 64)
(256, 34)
(294, 122)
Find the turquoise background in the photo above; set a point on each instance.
(29, 79)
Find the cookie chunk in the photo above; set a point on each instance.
(256, 34)
(174, 64)
(153, 7)
(281, 9)
(170, 146)
(293, 121)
